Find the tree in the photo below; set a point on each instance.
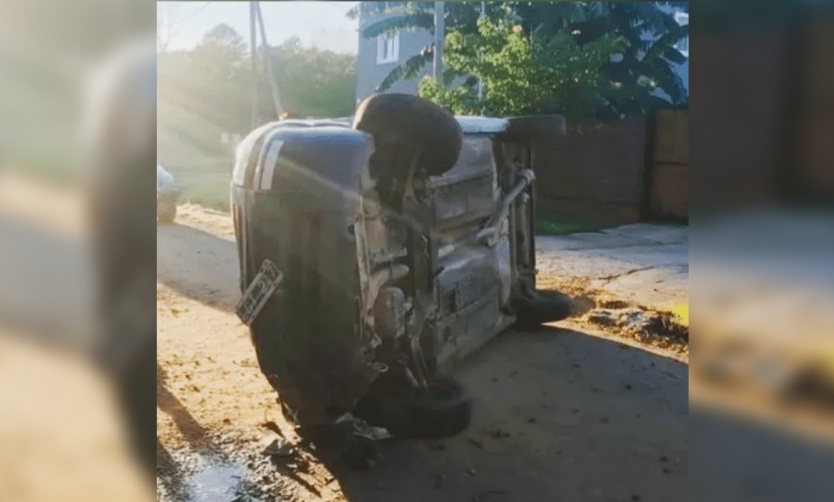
(645, 63)
(207, 91)
(225, 37)
(314, 82)
(523, 74)
(221, 49)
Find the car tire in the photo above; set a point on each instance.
(443, 410)
(403, 122)
(359, 454)
(541, 307)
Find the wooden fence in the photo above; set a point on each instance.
(617, 172)
(669, 175)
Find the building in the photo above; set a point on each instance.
(379, 55)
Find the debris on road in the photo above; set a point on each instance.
(645, 325)
(363, 430)
(475, 443)
(270, 425)
(279, 448)
(497, 434)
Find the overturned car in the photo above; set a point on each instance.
(375, 254)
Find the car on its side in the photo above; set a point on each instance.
(377, 252)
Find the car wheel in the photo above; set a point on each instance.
(359, 454)
(442, 410)
(541, 307)
(404, 122)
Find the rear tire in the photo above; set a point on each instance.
(541, 307)
(443, 410)
(405, 122)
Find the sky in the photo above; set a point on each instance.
(323, 25)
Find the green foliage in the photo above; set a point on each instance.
(645, 65)
(206, 92)
(523, 74)
(565, 226)
(313, 82)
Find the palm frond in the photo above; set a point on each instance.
(673, 55)
(664, 46)
(408, 70)
(422, 20)
(670, 82)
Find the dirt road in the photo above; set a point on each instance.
(565, 413)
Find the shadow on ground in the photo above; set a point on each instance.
(198, 265)
(558, 415)
(193, 432)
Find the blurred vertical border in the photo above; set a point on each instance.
(77, 249)
(761, 274)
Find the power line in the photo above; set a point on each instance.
(192, 14)
(166, 21)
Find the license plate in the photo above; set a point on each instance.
(258, 292)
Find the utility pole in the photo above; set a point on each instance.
(253, 47)
(481, 81)
(270, 74)
(439, 36)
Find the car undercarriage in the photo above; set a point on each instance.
(375, 255)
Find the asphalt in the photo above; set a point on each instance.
(642, 264)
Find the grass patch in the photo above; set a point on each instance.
(204, 182)
(565, 226)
